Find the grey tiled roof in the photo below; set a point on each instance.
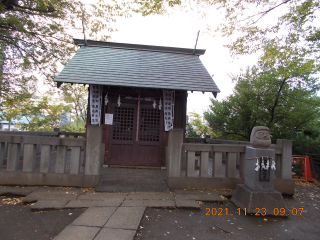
(137, 67)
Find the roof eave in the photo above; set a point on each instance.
(214, 92)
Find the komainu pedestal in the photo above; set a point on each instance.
(257, 201)
(257, 194)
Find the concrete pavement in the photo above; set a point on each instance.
(108, 215)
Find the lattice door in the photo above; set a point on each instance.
(149, 125)
(123, 123)
(124, 149)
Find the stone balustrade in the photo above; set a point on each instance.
(28, 160)
(45, 134)
(186, 170)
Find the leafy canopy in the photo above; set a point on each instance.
(36, 36)
(255, 24)
(196, 127)
(282, 97)
(41, 114)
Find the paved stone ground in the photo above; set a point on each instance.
(116, 215)
(182, 214)
(139, 180)
(223, 220)
(132, 180)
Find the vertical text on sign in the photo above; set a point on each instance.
(95, 104)
(168, 102)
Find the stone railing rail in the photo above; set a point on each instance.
(45, 134)
(15, 149)
(27, 133)
(215, 141)
(182, 164)
(72, 134)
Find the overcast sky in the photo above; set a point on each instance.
(181, 30)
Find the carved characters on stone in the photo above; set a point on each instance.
(260, 137)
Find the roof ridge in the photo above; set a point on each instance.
(141, 47)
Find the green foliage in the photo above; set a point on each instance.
(10, 108)
(36, 36)
(76, 96)
(307, 142)
(292, 26)
(150, 7)
(42, 114)
(191, 132)
(35, 39)
(280, 93)
(197, 126)
(78, 125)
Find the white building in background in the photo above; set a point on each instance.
(65, 119)
(4, 126)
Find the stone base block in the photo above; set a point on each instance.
(256, 201)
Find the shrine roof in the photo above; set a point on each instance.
(133, 65)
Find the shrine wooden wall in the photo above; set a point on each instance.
(180, 111)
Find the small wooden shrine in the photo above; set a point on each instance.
(137, 93)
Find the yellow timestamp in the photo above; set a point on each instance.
(257, 212)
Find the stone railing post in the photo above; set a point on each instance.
(3, 153)
(75, 160)
(45, 158)
(13, 157)
(29, 157)
(173, 161)
(286, 158)
(93, 148)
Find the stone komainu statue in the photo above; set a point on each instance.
(260, 137)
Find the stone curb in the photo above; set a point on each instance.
(15, 191)
(43, 205)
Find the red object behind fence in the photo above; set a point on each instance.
(307, 171)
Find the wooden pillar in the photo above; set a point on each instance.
(180, 110)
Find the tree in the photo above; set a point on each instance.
(11, 107)
(191, 132)
(76, 125)
(196, 127)
(42, 114)
(77, 97)
(256, 23)
(280, 96)
(36, 36)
